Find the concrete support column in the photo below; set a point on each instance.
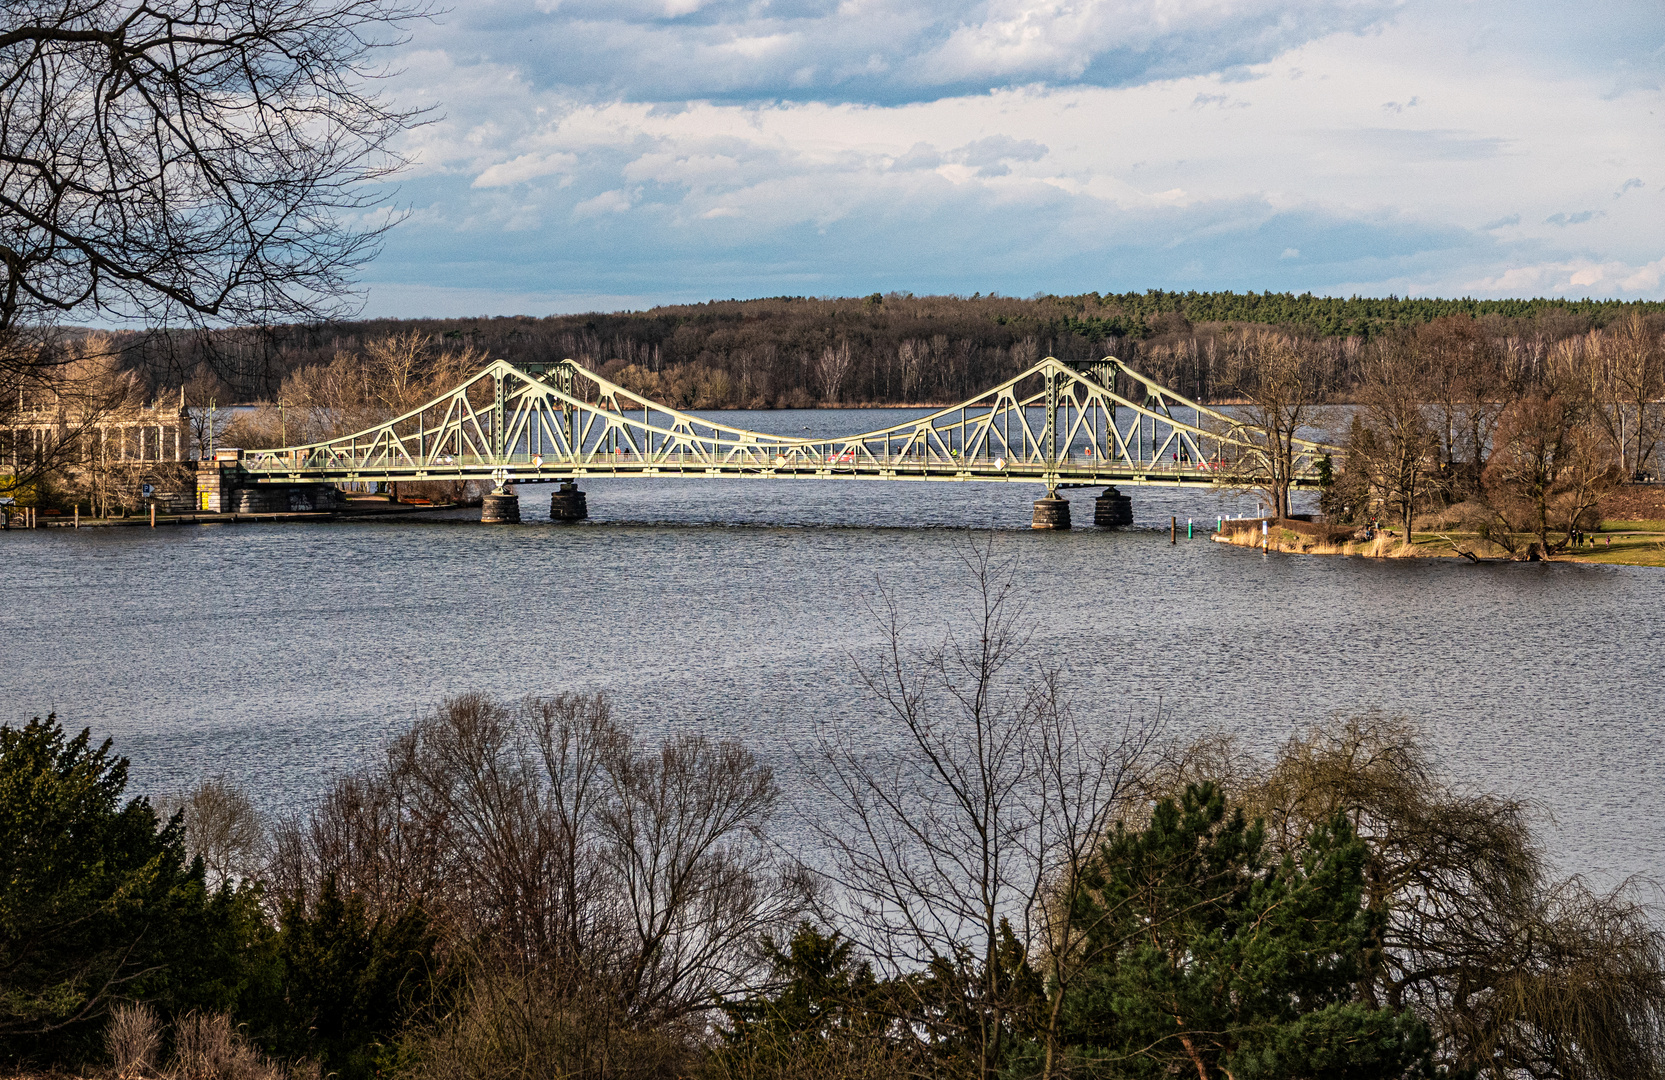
(568, 503)
(1112, 510)
(500, 508)
(1051, 513)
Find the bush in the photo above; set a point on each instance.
(95, 901)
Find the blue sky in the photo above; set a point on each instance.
(608, 154)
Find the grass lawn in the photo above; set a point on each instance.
(1634, 543)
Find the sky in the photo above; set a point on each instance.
(616, 154)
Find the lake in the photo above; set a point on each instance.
(282, 654)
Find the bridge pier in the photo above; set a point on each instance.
(1112, 510)
(568, 503)
(500, 508)
(1051, 513)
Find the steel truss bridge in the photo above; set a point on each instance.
(1059, 424)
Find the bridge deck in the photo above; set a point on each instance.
(527, 469)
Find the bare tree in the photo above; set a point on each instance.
(1549, 469)
(985, 794)
(223, 826)
(205, 161)
(1279, 378)
(51, 409)
(567, 852)
(830, 370)
(1622, 375)
(1393, 445)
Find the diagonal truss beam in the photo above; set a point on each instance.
(1056, 423)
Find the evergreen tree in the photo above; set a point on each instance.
(97, 904)
(1219, 965)
(351, 980)
(823, 1008)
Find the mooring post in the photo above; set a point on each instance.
(77, 515)
(1173, 529)
(153, 515)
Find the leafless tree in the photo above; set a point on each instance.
(830, 370)
(1280, 380)
(567, 850)
(51, 411)
(201, 161)
(1621, 372)
(1393, 445)
(982, 794)
(223, 826)
(1549, 469)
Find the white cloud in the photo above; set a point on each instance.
(608, 202)
(1575, 278)
(1291, 173)
(882, 50)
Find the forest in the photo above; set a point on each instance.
(1019, 885)
(1504, 431)
(797, 352)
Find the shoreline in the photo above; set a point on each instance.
(1620, 546)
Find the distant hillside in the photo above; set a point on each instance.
(897, 347)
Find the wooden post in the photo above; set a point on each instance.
(153, 515)
(1173, 530)
(77, 515)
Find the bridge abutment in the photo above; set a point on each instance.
(1112, 510)
(1051, 513)
(568, 503)
(500, 508)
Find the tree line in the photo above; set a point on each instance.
(1516, 447)
(797, 352)
(985, 882)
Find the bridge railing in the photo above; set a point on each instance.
(528, 467)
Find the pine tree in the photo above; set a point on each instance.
(1220, 965)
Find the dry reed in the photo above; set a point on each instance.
(132, 1038)
(208, 1047)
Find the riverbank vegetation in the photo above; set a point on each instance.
(1524, 415)
(973, 878)
(1520, 457)
(798, 352)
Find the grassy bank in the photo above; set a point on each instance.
(1622, 543)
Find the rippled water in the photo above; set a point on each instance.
(281, 654)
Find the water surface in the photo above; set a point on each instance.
(282, 654)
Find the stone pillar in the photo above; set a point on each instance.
(217, 485)
(1112, 510)
(1051, 513)
(568, 503)
(500, 508)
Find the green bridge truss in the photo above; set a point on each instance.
(1058, 424)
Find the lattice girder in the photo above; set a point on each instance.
(569, 421)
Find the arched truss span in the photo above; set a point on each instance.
(1057, 423)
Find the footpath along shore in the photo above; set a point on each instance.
(356, 509)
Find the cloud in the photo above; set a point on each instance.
(990, 156)
(608, 202)
(1576, 278)
(1628, 185)
(1570, 219)
(532, 185)
(1424, 144)
(884, 51)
